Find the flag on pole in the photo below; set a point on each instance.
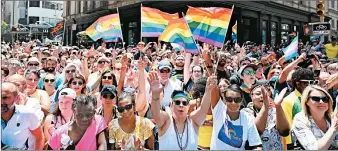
(291, 50)
(209, 25)
(176, 47)
(154, 21)
(234, 33)
(178, 32)
(106, 27)
(56, 30)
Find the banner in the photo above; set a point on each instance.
(56, 30)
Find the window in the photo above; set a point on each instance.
(330, 4)
(273, 25)
(285, 27)
(273, 38)
(264, 24)
(33, 19)
(68, 8)
(85, 6)
(49, 5)
(301, 2)
(34, 4)
(264, 36)
(246, 21)
(78, 7)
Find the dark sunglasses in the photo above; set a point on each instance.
(101, 62)
(33, 64)
(127, 107)
(310, 82)
(49, 80)
(107, 54)
(77, 83)
(107, 77)
(230, 99)
(164, 71)
(91, 57)
(178, 103)
(108, 96)
(70, 71)
(325, 99)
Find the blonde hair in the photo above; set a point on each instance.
(305, 99)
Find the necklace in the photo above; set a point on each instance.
(179, 137)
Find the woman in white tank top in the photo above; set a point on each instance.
(177, 129)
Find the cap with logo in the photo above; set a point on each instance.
(67, 93)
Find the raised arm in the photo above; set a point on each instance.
(282, 122)
(124, 69)
(288, 68)
(141, 100)
(262, 116)
(186, 70)
(156, 87)
(199, 115)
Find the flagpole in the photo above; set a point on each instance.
(198, 48)
(232, 10)
(120, 27)
(141, 23)
(63, 34)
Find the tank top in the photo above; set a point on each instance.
(169, 141)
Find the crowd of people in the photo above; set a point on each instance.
(155, 97)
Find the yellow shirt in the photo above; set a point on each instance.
(205, 133)
(331, 51)
(291, 106)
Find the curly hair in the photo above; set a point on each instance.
(87, 99)
(302, 73)
(198, 88)
(125, 95)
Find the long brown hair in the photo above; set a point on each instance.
(78, 76)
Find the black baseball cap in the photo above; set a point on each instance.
(109, 89)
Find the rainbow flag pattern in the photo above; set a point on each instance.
(209, 25)
(178, 32)
(234, 33)
(106, 27)
(154, 21)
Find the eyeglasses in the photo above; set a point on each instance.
(108, 96)
(77, 83)
(118, 69)
(127, 108)
(249, 72)
(33, 64)
(184, 103)
(49, 80)
(164, 71)
(107, 77)
(102, 62)
(197, 71)
(230, 99)
(107, 54)
(310, 82)
(278, 67)
(325, 99)
(74, 53)
(70, 71)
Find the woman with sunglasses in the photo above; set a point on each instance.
(49, 87)
(85, 132)
(233, 128)
(179, 125)
(78, 84)
(129, 131)
(32, 80)
(316, 126)
(62, 113)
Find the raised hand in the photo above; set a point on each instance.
(122, 144)
(334, 121)
(141, 64)
(265, 96)
(137, 143)
(280, 97)
(155, 86)
(211, 83)
(124, 60)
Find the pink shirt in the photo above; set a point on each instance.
(88, 140)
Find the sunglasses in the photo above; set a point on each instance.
(33, 64)
(91, 57)
(230, 99)
(164, 71)
(249, 72)
(102, 62)
(127, 108)
(107, 77)
(49, 80)
(310, 82)
(107, 54)
(178, 103)
(70, 71)
(325, 99)
(77, 83)
(278, 67)
(108, 96)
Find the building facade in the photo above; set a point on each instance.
(26, 14)
(268, 22)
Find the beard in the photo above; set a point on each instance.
(180, 64)
(50, 69)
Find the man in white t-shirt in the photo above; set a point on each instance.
(18, 123)
(170, 84)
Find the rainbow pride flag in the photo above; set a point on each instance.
(106, 27)
(234, 33)
(209, 25)
(154, 21)
(178, 32)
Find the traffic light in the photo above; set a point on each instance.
(320, 9)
